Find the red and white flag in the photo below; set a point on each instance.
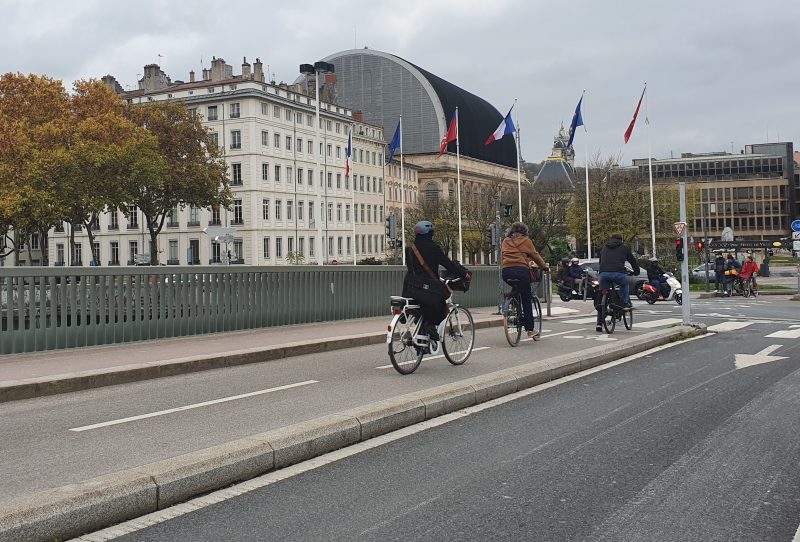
(451, 135)
(629, 131)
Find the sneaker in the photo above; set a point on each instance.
(432, 332)
(532, 334)
(598, 328)
(628, 307)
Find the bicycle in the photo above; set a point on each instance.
(512, 314)
(408, 344)
(733, 284)
(749, 288)
(612, 309)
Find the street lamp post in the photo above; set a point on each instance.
(317, 69)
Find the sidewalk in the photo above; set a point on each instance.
(25, 376)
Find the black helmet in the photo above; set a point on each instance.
(423, 227)
(565, 261)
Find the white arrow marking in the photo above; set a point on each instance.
(748, 360)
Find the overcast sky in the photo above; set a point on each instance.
(719, 73)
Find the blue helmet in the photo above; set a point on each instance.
(423, 227)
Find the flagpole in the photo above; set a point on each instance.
(350, 161)
(650, 170)
(586, 163)
(402, 196)
(519, 174)
(458, 187)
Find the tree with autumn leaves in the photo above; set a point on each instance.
(70, 157)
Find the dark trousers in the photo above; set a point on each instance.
(523, 277)
(719, 280)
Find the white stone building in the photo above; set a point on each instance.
(282, 182)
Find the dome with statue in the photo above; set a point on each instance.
(558, 170)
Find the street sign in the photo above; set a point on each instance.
(796, 245)
(738, 245)
(796, 235)
(679, 227)
(796, 225)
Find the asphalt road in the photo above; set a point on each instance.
(692, 442)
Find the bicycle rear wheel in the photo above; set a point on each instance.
(536, 307)
(746, 289)
(512, 324)
(403, 353)
(607, 315)
(459, 335)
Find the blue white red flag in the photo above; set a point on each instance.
(506, 128)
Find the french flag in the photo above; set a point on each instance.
(349, 153)
(506, 128)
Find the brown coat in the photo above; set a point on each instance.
(518, 250)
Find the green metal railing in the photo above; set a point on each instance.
(52, 308)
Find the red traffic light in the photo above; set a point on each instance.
(700, 245)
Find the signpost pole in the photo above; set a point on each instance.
(685, 262)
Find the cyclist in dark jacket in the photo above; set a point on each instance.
(434, 256)
(655, 275)
(613, 256)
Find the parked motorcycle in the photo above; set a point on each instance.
(651, 294)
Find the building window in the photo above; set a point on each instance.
(298, 118)
(265, 138)
(194, 219)
(289, 207)
(330, 179)
(216, 252)
(113, 220)
(114, 253)
(299, 175)
(277, 173)
(266, 248)
(173, 251)
(330, 212)
(236, 139)
(265, 208)
(133, 217)
(330, 149)
(276, 140)
(310, 211)
(300, 210)
(236, 174)
(276, 111)
(338, 212)
(212, 112)
(237, 212)
(338, 151)
(213, 139)
(301, 246)
(349, 245)
(347, 182)
(279, 247)
(235, 110)
(347, 213)
(59, 252)
(264, 108)
(339, 245)
(299, 144)
(215, 216)
(288, 143)
(312, 245)
(289, 245)
(278, 205)
(338, 180)
(309, 120)
(310, 146)
(265, 171)
(289, 176)
(330, 246)
(288, 115)
(328, 125)
(133, 250)
(172, 218)
(238, 251)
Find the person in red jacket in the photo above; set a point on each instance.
(749, 271)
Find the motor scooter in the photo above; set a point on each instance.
(590, 284)
(651, 294)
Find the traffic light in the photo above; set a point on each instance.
(507, 209)
(679, 249)
(491, 235)
(700, 246)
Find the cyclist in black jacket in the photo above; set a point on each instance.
(613, 256)
(434, 256)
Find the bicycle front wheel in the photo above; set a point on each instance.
(512, 324)
(403, 353)
(746, 289)
(536, 307)
(627, 319)
(607, 315)
(459, 335)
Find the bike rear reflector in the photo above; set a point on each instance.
(397, 311)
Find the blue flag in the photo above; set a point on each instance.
(395, 144)
(577, 120)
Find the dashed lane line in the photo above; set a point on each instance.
(193, 406)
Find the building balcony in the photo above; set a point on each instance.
(193, 223)
(133, 226)
(173, 262)
(113, 227)
(173, 224)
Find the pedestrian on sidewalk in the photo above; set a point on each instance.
(719, 274)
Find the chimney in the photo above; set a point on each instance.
(258, 71)
(206, 75)
(191, 76)
(358, 116)
(111, 82)
(154, 78)
(330, 78)
(218, 69)
(245, 69)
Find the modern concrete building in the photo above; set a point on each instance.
(755, 193)
(282, 183)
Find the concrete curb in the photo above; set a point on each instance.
(74, 510)
(712, 295)
(15, 390)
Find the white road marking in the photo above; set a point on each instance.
(573, 337)
(786, 334)
(431, 357)
(270, 478)
(562, 310)
(658, 323)
(728, 326)
(748, 360)
(591, 319)
(190, 407)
